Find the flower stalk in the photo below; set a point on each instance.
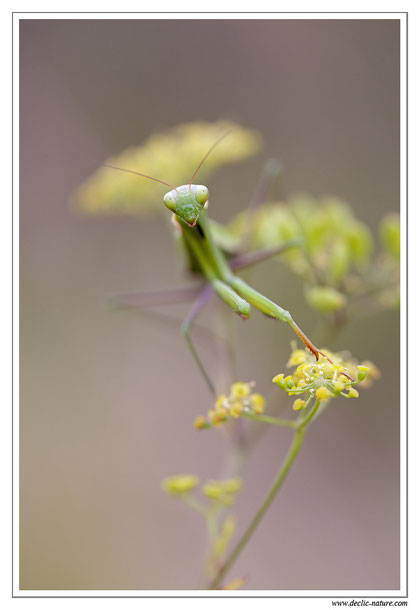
(295, 447)
(318, 381)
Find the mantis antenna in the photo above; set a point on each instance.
(131, 171)
(208, 152)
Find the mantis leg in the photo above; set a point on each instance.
(270, 172)
(148, 298)
(202, 299)
(271, 309)
(247, 259)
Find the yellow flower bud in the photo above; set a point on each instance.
(231, 486)
(298, 404)
(200, 422)
(236, 409)
(218, 490)
(214, 417)
(212, 490)
(353, 393)
(180, 484)
(278, 378)
(221, 413)
(327, 369)
(339, 386)
(302, 370)
(362, 372)
(257, 401)
(280, 381)
(240, 390)
(298, 356)
(372, 374)
(220, 401)
(322, 393)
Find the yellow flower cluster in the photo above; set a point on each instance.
(172, 157)
(240, 400)
(222, 491)
(372, 373)
(338, 246)
(332, 375)
(180, 484)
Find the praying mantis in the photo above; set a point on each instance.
(189, 207)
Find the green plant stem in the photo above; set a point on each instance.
(290, 458)
(300, 427)
(267, 419)
(302, 423)
(212, 526)
(211, 518)
(195, 504)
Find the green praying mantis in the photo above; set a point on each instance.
(189, 204)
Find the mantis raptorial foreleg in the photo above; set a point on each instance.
(149, 298)
(271, 309)
(169, 296)
(183, 294)
(202, 299)
(247, 259)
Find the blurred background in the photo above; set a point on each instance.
(108, 399)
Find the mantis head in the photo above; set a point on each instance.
(187, 202)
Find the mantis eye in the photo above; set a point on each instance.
(202, 194)
(169, 201)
